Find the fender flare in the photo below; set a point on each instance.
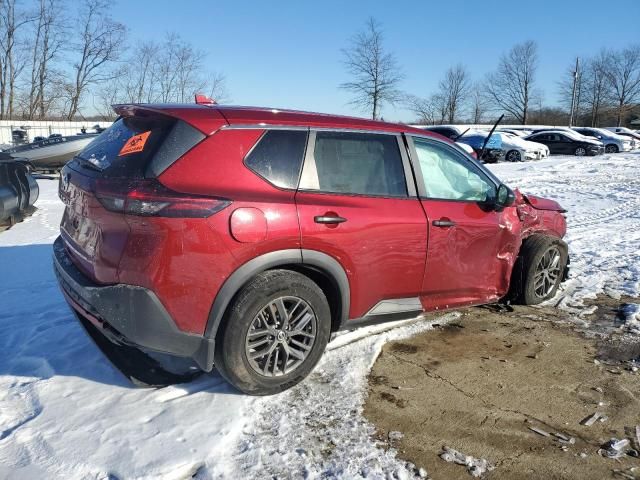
(271, 260)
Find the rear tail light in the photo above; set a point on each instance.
(149, 198)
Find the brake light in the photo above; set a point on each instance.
(149, 198)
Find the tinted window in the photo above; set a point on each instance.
(278, 156)
(449, 176)
(139, 146)
(356, 163)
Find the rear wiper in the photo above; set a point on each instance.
(88, 164)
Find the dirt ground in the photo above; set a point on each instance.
(478, 385)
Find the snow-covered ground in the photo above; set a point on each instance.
(65, 412)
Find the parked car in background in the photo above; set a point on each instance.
(452, 133)
(517, 149)
(243, 237)
(627, 133)
(516, 132)
(447, 131)
(613, 143)
(564, 142)
(492, 153)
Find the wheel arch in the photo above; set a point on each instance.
(517, 270)
(321, 268)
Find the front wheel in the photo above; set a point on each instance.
(580, 152)
(539, 269)
(611, 149)
(514, 156)
(274, 333)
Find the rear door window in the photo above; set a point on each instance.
(355, 163)
(277, 157)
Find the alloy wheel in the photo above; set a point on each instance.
(513, 156)
(281, 336)
(581, 152)
(547, 273)
(611, 149)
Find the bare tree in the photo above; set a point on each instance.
(47, 43)
(375, 71)
(511, 86)
(440, 106)
(454, 89)
(216, 87)
(478, 103)
(623, 75)
(423, 108)
(101, 39)
(597, 88)
(11, 63)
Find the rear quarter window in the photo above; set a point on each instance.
(277, 157)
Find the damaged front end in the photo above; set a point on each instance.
(540, 215)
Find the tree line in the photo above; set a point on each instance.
(68, 59)
(607, 86)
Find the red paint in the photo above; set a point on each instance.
(540, 203)
(248, 225)
(387, 247)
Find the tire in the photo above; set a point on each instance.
(611, 148)
(580, 152)
(513, 156)
(242, 337)
(535, 253)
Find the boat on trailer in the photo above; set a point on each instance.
(53, 152)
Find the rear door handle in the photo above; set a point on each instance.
(329, 219)
(442, 223)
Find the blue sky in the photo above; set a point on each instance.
(287, 53)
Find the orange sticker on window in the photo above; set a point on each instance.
(135, 144)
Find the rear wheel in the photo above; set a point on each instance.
(611, 148)
(581, 151)
(274, 333)
(539, 270)
(514, 156)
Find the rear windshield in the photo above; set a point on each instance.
(139, 147)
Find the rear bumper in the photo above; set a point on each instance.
(127, 314)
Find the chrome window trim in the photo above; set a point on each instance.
(262, 126)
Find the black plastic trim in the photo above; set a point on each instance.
(128, 314)
(272, 260)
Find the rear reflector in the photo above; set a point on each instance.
(149, 198)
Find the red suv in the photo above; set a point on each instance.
(243, 237)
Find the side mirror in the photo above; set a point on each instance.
(505, 196)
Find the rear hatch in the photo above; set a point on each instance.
(116, 176)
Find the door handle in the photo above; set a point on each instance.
(329, 219)
(443, 223)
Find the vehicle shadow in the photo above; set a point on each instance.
(40, 336)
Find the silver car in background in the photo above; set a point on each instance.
(612, 143)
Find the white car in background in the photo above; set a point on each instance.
(516, 149)
(613, 143)
(626, 132)
(516, 132)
